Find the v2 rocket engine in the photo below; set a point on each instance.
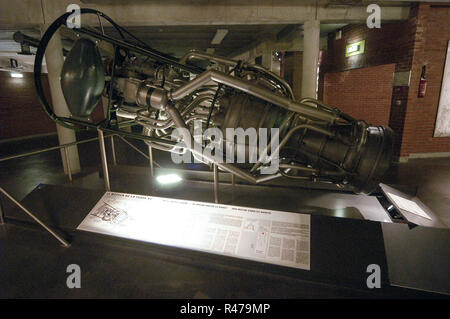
(159, 93)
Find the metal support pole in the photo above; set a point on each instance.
(59, 238)
(150, 155)
(69, 170)
(233, 179)
(101, 140)
(113, 150)
(216, 184)
(2, 213)
(133, 147)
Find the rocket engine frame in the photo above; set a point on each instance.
(160, 93)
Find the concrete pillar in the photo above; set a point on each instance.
(54, 59)
(311, 41)
(267, 59)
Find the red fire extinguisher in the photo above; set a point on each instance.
(423, 83)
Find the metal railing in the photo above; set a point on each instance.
(101, 139)
(53, 148)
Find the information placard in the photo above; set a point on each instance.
(275, 237)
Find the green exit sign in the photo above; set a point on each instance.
(354, 48)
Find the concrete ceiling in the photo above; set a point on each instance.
(22, 13)
(174, 26)
(177, 40)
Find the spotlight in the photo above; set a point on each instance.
(169, 179)
(15, 75)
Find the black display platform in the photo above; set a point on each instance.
(412, 260)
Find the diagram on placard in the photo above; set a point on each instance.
(110, 214)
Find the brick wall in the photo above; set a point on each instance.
(362, 93)
(21, 113)
(420, 40)
(430, 48)
(392, 43)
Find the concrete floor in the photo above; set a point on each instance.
(26, 246)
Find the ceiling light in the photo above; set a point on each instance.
(220, 34)
(15, 75)
(168, 179)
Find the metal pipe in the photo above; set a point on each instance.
(298, 127)
(59, 238)
(252, 89)
(21, 38)
(150, 155)
(278, 79)
(165, 148)
(137, 150)
(206, 56)
(216, 183)
(69, 170)
(194, 146)
(158, 56)
(316, 102)
(113, 150)
(232, 63)
(268, 177)
(134, 147)
(128, 112)
(47, 149)
(165, 124)
(2, 213)
(299, 167)
(285, 140)
(104, 160)
(312, 170)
